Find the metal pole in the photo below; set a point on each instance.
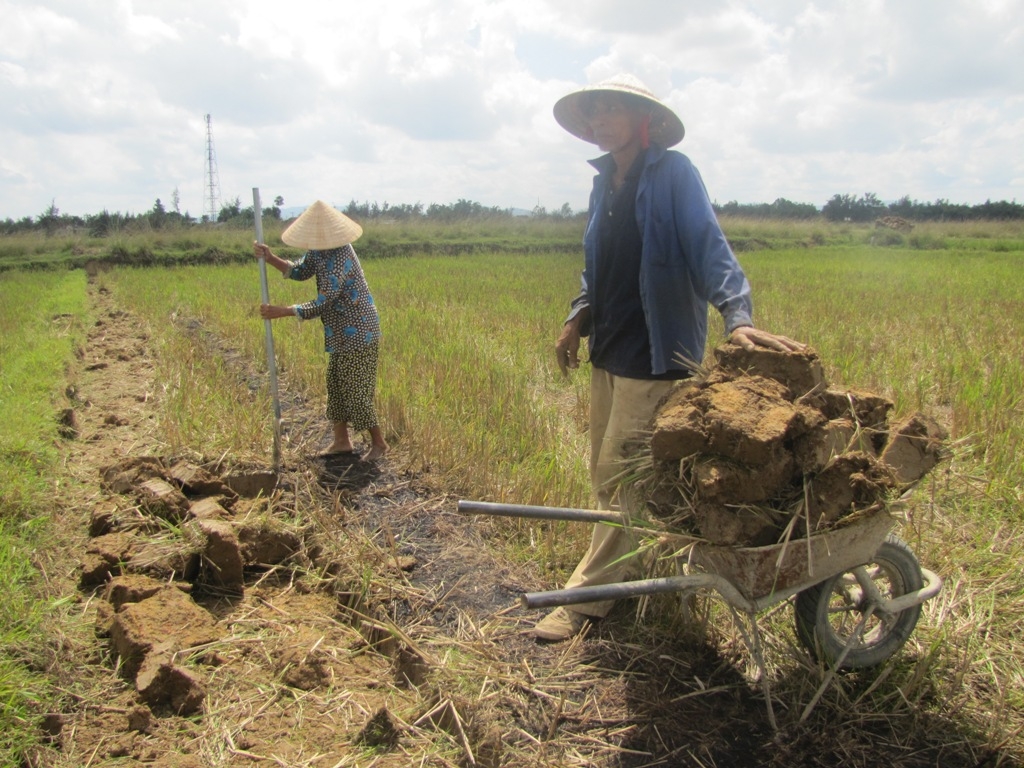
(623, 589)
(257, 211)
(540, 513)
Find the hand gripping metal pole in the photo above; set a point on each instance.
(257, 212)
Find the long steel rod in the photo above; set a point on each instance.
(257, 212)
(539, 513)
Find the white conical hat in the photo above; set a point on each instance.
(666, 129)
(321, 227)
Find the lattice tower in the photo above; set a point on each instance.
(211, 180)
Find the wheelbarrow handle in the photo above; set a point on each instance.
(624, 589)
(539, 513)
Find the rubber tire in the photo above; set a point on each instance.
(900, 573)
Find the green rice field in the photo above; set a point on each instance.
(469, 389)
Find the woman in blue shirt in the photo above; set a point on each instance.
(654, 258)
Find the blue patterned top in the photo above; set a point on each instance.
(343, 301)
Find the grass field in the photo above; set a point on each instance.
(930, 328)
(208, 244)
(40, 324)
(468, 388)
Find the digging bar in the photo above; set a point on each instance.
(257, 214)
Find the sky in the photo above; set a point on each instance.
(103, 102)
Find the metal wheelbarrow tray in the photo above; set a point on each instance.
(771, 573)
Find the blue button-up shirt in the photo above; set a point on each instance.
(343, 301)
(686, 262)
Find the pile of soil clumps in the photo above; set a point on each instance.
(761, 449)
(170, 531)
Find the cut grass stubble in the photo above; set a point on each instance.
(468, 388)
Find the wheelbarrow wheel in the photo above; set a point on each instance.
(828, 613)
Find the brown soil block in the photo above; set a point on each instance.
(762, 438)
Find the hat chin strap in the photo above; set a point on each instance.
(645, 132)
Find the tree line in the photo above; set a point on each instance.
(854, 208)
(52, 221)
(868, 208)
(460, 210)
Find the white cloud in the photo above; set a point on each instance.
(435, 100)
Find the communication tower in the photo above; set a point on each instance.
(211, 180)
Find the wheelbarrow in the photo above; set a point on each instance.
(858, 588)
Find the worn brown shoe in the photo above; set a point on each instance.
(561, 624)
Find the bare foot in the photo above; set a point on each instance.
(377, 450)
(338, 449)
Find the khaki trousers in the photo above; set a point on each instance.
(619, 408)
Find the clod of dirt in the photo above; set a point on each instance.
(915, 448)
(207, 509)
(124, 476)
(166, 558)
(251, 483)
(160, 498)
(730, 482)
(140, 719)
(304, 668)
(761, 439)
(104, 557)
(196, 481)
(161, 683)
(866, 409)
(838, 436)
(740, 526)
(222, 557)
(122, 590)
(799, 371)
(102, 519)
(67, 424)
(853, 481)
(747, 420)
(411, 668)
(168, 619)
(380, 730)
(120, 552)
(267, 543)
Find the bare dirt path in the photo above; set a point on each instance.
(348, 616)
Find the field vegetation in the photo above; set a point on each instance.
(468, 390)
(142, 245)
(42, 319)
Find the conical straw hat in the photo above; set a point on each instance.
(666, 129)
(321, 227)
